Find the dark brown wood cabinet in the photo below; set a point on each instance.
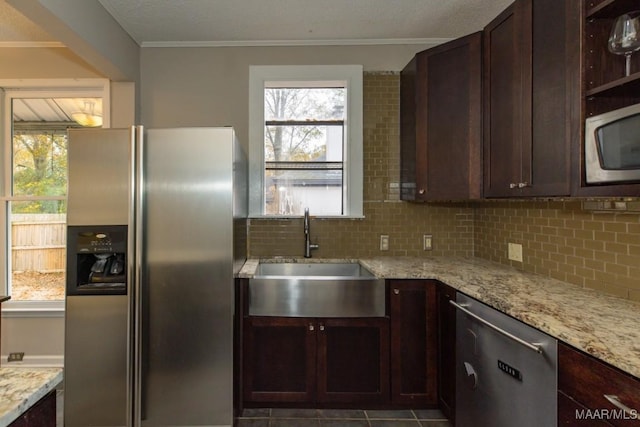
(353, 360)
(412, 306)
(279, 359)
(605, 87)
(531, 98)
(42, 414)
(583, 384)
(446, 350)
(441, 122)
(319, 361)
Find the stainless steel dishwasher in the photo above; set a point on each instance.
(506, 371)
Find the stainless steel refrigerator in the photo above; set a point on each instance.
(156, 225)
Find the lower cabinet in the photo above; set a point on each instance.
(412, 307)
(593, 393)
(446, 350)
(316, 360)
(42, 414)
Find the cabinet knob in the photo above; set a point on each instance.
(322, 327)
(513, 185)
(523, 184)
(311, 328)
(421, 191)
(396, 291)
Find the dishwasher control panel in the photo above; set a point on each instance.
(510, 370)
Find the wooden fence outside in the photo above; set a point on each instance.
(38, 242)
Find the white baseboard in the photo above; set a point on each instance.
(36, 361)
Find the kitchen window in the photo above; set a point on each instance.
(34, 184)
(305, 141)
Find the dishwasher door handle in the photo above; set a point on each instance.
(468, 368)
(531, 346)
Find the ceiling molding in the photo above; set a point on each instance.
(263, 43)
(23, 44)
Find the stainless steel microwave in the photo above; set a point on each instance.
(612, 146)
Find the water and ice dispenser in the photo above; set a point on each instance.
(97, 260)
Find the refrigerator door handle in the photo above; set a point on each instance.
(137, 211)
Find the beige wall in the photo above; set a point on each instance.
(43, 63)
(210, 86)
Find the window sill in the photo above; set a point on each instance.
(33, 309)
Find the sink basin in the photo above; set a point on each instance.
(316, 290)
(300, 270)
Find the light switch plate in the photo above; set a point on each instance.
(515, 252)
(427, 242)
(384, 242)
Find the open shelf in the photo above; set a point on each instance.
(611, 8)
(622, 86)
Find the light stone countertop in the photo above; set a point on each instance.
(604, 326)
(21, 388)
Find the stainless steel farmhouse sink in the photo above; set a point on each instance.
(339, 289)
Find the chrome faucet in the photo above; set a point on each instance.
(308, 246)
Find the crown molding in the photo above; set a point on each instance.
(266, 43)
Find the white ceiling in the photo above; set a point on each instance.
(280, 22)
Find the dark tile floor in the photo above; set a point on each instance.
(340, 418)
(324, 417)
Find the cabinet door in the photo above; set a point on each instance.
(409, 98)
(42, 414)
(279, 359)
(506, 86)
(554, 107)
(413, 342)
(587, 381)
(446, 350)
(531, 98)
(353, 360)
(441, 127)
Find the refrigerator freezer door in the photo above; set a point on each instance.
(95, 375)
(187, 278)
(99, 176)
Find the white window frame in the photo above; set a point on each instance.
(41, 88)
(321, 76)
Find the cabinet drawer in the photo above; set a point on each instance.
(588, 380)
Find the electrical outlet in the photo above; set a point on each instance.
(427, 242)
(515, 252)
(384, 242)
(15, 357)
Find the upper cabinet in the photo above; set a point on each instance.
(546, 68)
(606, 85)
(531, 98)
(440, 129)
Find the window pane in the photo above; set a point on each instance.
(303, 143)
(288, 192)
(39, 163)
(38, 242)
(304, 103)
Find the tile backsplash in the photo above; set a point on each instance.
(559, 239)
